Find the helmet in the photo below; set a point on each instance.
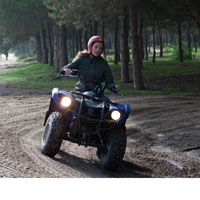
(94, 39)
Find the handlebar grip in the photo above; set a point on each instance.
(113, 89)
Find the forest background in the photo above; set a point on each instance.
(149, 43)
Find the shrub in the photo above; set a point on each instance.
(175, 52)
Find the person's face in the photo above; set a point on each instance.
(97, 49)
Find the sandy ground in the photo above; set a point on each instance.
(163, 139)
(7, 65)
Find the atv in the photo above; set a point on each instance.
(87, 118)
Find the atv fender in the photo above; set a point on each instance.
(54, 105)
(125, 109)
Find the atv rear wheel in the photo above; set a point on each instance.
(112, 155)
(53, 134)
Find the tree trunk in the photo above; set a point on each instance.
(146, 43)
(166, 39)
(91, 28)
(124, 47)
(149, 49)
(161, 42)
(199, 37)
(52, 36)
(189, 40)
(136, 54)
(80, 40)
(85, 38)
(102, 29)
(141, 46)
(63, 48)
(76, 41)
(108, 44)
(95, 27)
(195, 42)
(154, 44)
(152, 17)
(49, 41)
(180, 41)
(56, 45)
(44, 46)
(116, 47)
(73, 42)
(38, 48)
(103, 35)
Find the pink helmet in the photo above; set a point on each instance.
(94, 39)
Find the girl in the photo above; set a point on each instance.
(93, 68)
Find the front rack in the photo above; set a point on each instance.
(98, 121)
(93, 98)
(81, 106)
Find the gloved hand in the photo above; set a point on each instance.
(68, 72)
(115, 88)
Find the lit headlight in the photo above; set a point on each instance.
(66, 101)
(115, 115)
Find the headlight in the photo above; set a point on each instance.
(115, 115)
(66, 101)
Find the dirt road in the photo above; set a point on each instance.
(163, 139)
(7, 65)
(159, 129)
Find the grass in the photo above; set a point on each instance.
(166, 76)
(35, 76)
(163, 77)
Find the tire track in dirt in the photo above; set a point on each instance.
(22, 126)
(159, 128)
(24, 123)
(12, 154)
(159, 136)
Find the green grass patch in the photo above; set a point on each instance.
(36, 76)
(28, 59)
(173, 77)
(165, 77)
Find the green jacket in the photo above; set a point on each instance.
(93, 71)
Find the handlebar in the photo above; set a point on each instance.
(72, 76)
(100, 90)
(75, 74)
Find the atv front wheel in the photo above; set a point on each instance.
(53, 134)
(112, 155)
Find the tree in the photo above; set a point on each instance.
(38, 48)
(25, 18)
(62, 27)
(124, 46)
(178, 11)
(189, 40)
(136, 52)
(116, 42)
(193, 10)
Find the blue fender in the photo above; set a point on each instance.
(125, 109)
(55, 105)
(56, 100)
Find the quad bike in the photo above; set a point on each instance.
(86, 118)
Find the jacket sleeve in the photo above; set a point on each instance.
(73, 65)
(108, 77)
